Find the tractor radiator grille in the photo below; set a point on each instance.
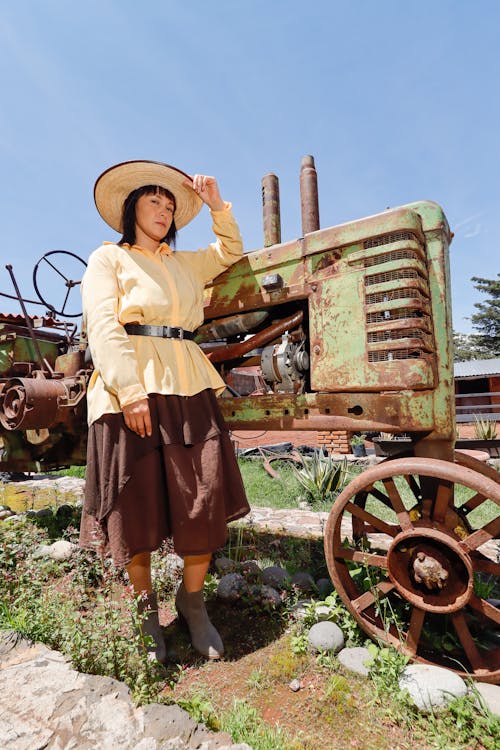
(382, 278)
(387, 239)
(378, 336)
(398, 298)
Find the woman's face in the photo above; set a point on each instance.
(153, 216)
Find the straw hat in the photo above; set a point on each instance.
(116, 183)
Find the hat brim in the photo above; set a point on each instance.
(114, 185)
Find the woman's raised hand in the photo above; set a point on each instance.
(137, 417)
(208, 190)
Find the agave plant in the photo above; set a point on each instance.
(321, 476)
(485, 429)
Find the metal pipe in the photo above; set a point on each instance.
(309, 195)
(234, 351)
(42, 362)
(271, 210)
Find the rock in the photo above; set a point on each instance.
(46, 703)
(43, 513)
(64, 511)
(325, 636)
(43, 550)
(490, 694)
(6, 507)
(294, 685)
(224, 565)
(15, 517)
(251, 570)
(300, 609)
(62, 550)
(431, 687)
(322, 612)
(232, 587)
(173, 563)
(324, 586)
(277, 577)
(355, 659)
(304, 582)
(265, 596)
(6, 514)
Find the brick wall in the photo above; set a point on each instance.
(335, 441)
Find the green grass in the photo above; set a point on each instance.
(263, 490)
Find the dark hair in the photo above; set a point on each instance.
(128, 215)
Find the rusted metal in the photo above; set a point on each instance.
(35, 403)
(235, 351)
(43, 363)
(426, 556)
(309, 195)
(271, 210)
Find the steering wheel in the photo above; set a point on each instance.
(55, 263)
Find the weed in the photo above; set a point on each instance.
(245, 724)
(200, 709)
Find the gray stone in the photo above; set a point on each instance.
(304, 582)
(325, 636)
(266, 596)
(6, 513)
(174, 563)
(294, 685)
(430, 687)
(277, 577)
(14, 518)
(324, 586)
(46, 703)
(356, 659)
(232, 587)
(322, 612)
(224, 565)
(251, 570)
(43, 550)
(490, 695)
(301, 608)
(6, 507)
(62, 550)
(65, 511)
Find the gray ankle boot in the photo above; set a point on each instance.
(151, 626)
(204, 637)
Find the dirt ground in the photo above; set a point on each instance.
(331, 710)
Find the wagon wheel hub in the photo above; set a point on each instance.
(430, 570)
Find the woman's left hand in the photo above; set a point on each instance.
(208, 190)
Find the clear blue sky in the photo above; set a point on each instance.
(397, 101)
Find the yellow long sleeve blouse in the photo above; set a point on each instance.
(125, 284)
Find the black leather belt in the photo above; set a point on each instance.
(164, 332)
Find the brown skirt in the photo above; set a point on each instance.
(182, 482)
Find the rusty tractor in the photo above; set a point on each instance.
(346, 328)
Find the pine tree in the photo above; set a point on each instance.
(487, 320)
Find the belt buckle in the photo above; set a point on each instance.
(181, 333)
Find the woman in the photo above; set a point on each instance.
(160, 462)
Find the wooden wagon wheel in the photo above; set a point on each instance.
(407, 549)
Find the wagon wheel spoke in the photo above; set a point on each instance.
(365, 558)
(485, 608)
(397, 504)
(415, 630)
(371, 597)
(474, 501)
(481, 536)
(65, 300)
(369, 518)
(467, 641)
(483, 564)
